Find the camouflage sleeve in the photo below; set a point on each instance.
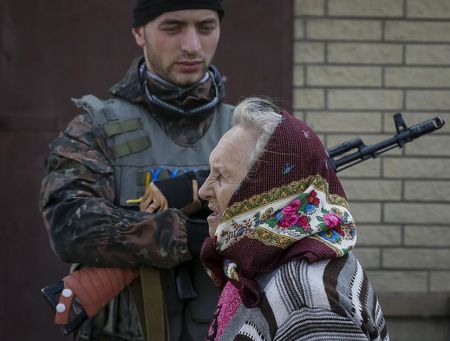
(84, 226)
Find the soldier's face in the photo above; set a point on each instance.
(179, 45)
(228, 163)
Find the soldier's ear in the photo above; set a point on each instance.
(138, 34)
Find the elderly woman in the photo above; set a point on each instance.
(281, 233)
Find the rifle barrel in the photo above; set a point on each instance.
(345, 147)
(426, 127)
(365, 152)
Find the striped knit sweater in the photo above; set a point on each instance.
(329, 300)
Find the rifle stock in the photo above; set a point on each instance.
(404, 135)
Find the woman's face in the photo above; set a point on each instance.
(229, 163)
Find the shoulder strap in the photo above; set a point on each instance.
(149, 299)
(95, 108)
(225, 107)
(131, 146)
(106, 115)
(119, 127)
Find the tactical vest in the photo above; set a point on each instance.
(138, 144)
(140, 148)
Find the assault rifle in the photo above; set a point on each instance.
(404, 135)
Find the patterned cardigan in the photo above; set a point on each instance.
(329, 300)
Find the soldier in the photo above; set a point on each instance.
(121, 189)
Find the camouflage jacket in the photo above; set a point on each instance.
(77, 202)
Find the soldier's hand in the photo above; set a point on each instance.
(181, 192)
(153, 200)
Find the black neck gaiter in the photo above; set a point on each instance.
(184, 112)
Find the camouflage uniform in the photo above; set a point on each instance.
(86, 225)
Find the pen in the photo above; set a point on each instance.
(147, 183)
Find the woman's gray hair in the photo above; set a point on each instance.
(259, 116)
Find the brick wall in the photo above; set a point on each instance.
(356, 63)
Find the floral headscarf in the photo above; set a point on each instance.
(291, 205)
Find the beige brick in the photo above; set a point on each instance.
(416, 258)
(309, 99)
(299, 31)
(366, 169)
(365, 53)
(426, 235)
(428, 54)
(309, 7)
(309, 52)
(417, 31)
(298, 75)
(440, 281)
(365, 212)
(429, 168)
(343, 76)
(368, 257)
(372, 189)
(427, 100)
(417, 77)
(335, 29)
(365, 99)
(300, 115)
(357, 122)
(412, 118)
(366, 8)
(427, 190)
(322, 138)
(399, 281)
(379, 235)
(428, 9)
(418, 328)
(415, 305)
(416, 213)
(431, 145)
